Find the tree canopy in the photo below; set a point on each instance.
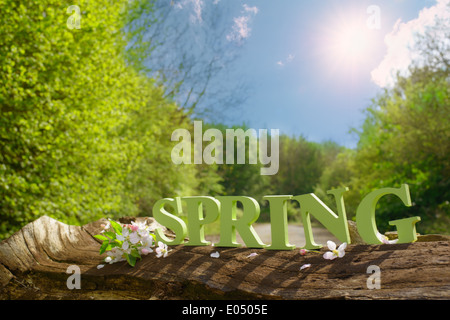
(83, 134)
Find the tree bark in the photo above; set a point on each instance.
(33, 264)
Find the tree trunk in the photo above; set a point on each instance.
(34, 261)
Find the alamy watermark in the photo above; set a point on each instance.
(374, 281)
(235, 140)
(74, 281)
(74, 21)
(374, 20)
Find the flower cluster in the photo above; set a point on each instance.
(128, 242)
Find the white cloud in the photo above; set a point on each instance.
(197, 7)
(401, 39)
(197, 4)
(253, 10)
(289, 59)
(241, 29)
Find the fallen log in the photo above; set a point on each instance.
(34, 261)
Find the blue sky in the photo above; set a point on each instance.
(305, 93)
(309, 63)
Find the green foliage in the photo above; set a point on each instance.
(301, 166)
(339, 172)
(406, 139)
(239, 179)
(155, 176)
(63, 99)
(83, 135)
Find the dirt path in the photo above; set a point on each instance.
(296, 235)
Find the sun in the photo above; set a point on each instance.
(350, 43)
(346, 43)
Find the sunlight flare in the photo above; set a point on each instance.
(347, 43)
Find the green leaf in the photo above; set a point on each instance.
(117, 227)
(135, 253)
(100, 237)
(110, 234)
(104, 246)
(114, 244)
(131, 260)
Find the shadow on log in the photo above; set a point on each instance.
(33, 264)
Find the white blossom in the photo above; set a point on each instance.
(161, 251)
(385, 239)
(215, 254)
(134, 237)
(334, 253)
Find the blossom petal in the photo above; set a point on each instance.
(382, 238)
(254, 254)
(331, 245)
(215, 254)
(100, 266)
(120, 237)
(305, 266)
(134, 238)
(329, 255)
(341, 253)
(343, 246)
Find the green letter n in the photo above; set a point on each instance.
(310, 204)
